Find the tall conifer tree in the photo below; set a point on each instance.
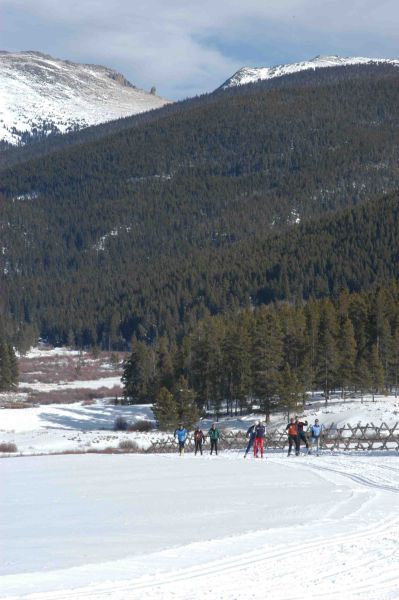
(327, 355)
(267, 361)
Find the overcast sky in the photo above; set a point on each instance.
(186, 47)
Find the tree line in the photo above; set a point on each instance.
(268, 358)
(8, 362)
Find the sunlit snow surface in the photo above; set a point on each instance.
(253, 74)
(36, 88)
(149, 527)
(131, 526)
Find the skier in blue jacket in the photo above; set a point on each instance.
(315, 432)
(181, 434)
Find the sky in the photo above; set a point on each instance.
(187, 47)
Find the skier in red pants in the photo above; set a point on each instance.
(260, 433)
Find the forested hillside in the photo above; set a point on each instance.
(38, 146)
(219, 206)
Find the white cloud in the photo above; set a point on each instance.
(184, 46)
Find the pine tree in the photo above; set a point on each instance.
(327, 356)
(14, 370)
(394, 361)
(6, 377)
(362, 379)
(376, 371)
(291, 390)
(165, 410)
(206, 372)
(296, 347)
(312, 316)
(347, 350)
(185, 401)
(236, 366)
(139, 374)
(267, 362)
(380, 328)
(165, 370)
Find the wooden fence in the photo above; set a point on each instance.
(348, 437)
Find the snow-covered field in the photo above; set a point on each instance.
(71, 427)
(107, 527)
(141, 526)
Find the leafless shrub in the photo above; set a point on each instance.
(8, 447)
(62, 452)
(142, 426)
(120, 424)
(128, 445)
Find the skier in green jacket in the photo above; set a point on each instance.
(214, 435)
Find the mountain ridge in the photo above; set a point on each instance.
(247, 75)
(41, 95)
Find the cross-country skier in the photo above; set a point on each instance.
(214, 435)
(199, 439)
(315, 432)
(293, 437)
(181, 434)
(251, 437)
(301, 434)
(260, 432)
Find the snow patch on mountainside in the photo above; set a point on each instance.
(41, 94)
(252, 74)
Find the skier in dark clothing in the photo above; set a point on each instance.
(301, 434)
(214, 435)
(251, 437)
(260, 433)
(199, 439)
(293, 437)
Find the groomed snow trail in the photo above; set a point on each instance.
(176, 528)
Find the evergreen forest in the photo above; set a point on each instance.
(267, 359)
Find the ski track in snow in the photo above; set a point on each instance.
(360, 563)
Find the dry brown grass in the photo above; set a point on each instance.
(51, 369)
(17, 405)
(88, 402)
(83, 395)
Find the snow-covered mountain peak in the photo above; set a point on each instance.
(254, 74)
(41, 93)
